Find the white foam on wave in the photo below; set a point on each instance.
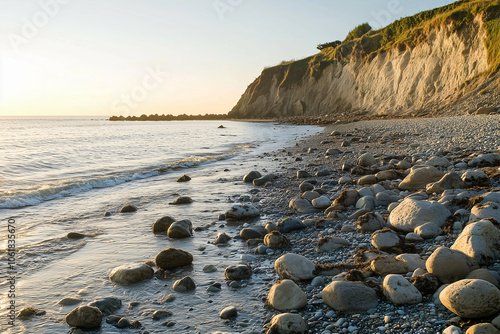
(34, 196)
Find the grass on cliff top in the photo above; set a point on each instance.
(407, 32)
(412, 31)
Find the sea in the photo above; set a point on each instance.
(61, 175)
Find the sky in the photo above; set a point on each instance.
(133, 57)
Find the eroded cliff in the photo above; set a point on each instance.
(447, 64)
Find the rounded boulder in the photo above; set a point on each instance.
(295, 267)
(450, 265)
(349, 297)
(471, 298)
(412, 213)
(287, 323)
(173, 258)
(85, 317)
(286, 295)
(131, 273)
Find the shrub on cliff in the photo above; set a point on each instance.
(358, 32)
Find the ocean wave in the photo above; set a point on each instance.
(34, 196)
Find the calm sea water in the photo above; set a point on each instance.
(61, 175)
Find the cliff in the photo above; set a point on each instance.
(436, 62)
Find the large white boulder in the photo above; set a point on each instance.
(285, 296)
(399, 291)
(349, 297)
(479, 240)
(471, 298)
(485, 210)
(295, 267)
(412, 213)
(450, 265)
(420, 177)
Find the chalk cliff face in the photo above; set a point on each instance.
(394, 82)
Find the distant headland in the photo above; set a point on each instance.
(169, 117)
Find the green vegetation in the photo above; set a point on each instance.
(333, 44)
(358, 32)
(407, 33)
(169, 117)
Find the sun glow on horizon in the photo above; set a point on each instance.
(55, 61)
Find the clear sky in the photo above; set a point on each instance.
(129, 57)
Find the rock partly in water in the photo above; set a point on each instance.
(209, 268)
(242, 211)
(228, 313)
(182, 200)
(180, 229)
(184, 178)
(173, 258)
(248, 178)
(27, 312)
(162, 224)
(85, 317)
(131, 273)
(238, 272)
(107, 305)
(161, 314)
(75, 235)
(128, 208)
(184, 284)
(221, 239)
(69, 301)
